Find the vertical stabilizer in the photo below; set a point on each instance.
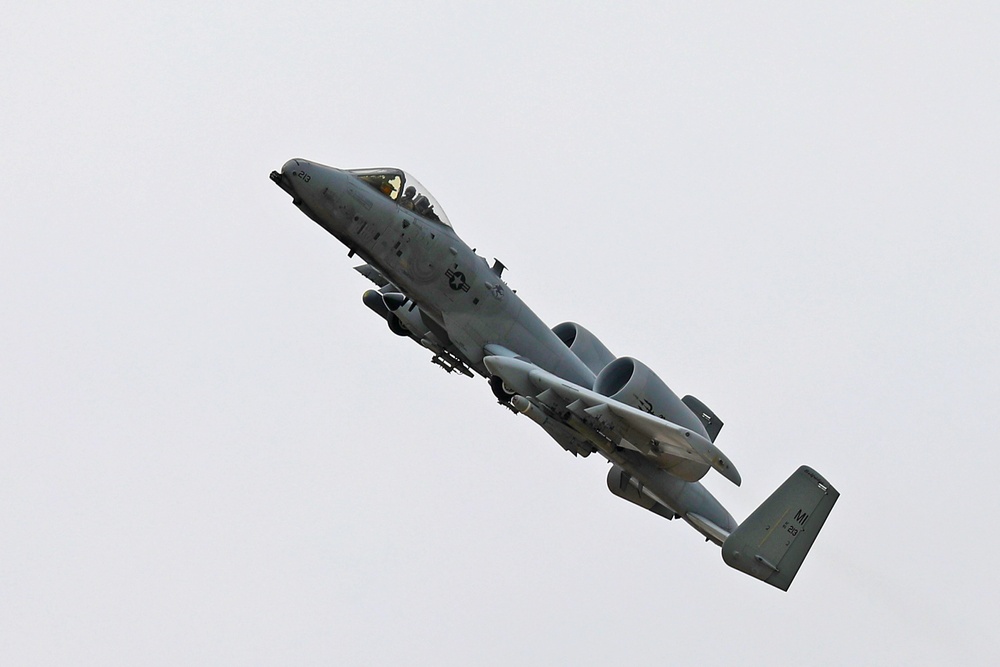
(772, 543)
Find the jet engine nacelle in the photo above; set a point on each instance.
(401, 314)
(584, 345)
(631, 382)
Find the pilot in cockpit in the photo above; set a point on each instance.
(406, 201)
(421, 204)
(418, 203)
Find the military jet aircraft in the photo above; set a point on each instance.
(436, 290)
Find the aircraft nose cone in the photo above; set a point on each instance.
(297, 178)
(287, 177)
(302, 178)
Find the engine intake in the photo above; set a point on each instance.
(631, 382)
(584, 345)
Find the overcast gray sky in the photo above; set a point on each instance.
(213, 454)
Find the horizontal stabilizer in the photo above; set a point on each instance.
(772, 543)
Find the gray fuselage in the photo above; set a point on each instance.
(468, 306)
(430, 264)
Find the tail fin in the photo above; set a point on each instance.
(772, 543)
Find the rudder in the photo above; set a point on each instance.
(774, 540)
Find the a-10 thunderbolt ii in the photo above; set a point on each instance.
(436, 290)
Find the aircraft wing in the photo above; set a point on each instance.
(623, 424)
(372, 274)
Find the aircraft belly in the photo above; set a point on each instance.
(529, 337)
(471, 330)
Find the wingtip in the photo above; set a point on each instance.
(730, 472)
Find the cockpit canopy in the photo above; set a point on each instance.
(405, 190)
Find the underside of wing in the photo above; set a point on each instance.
(625, 426)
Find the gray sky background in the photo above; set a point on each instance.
(213, 454)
